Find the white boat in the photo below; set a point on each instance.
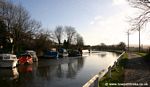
(33, 55)
(8, 60)
(62, 52)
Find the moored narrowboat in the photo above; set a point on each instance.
(8, 60)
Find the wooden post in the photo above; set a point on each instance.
(115, 64)
(96, 82)
(109, 71)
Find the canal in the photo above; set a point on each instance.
(66, 72)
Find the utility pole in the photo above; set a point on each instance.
(139, 39)
(128, 39)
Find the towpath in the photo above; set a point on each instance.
(137, 71)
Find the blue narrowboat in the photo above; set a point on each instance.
(51, 54)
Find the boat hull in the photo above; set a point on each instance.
(8, 63)
(51, 57)
(51, 54)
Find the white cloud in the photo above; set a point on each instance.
(96, 19)
(92, 22)
(119, 2)
(111, 29)
(108, 30)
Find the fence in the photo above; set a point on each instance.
(94, 81)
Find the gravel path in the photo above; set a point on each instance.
(137, 71)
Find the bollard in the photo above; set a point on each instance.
(96, 82)
(115, 64)
(109, 71)
(117, 61)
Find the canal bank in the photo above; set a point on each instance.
(117, 74)
(133, 71)
(108, 75)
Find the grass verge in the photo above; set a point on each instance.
(117, 74)
(146, 56)
(141, 54)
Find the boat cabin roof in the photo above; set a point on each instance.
(7, 56)
(30, 51)
(25, 55)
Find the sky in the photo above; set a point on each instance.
(97, 21)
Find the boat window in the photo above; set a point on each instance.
(13, 57)
(6, 57)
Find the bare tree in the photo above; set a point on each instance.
(58, 34)
(18, 22)
(143, 18)
(79, 40)
(70, 32)
(7, 13)
(43, 41)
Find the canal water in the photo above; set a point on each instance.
(65, 72)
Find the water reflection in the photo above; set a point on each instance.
(102, 55)
(65, 72)
(8, 74)
(8, 77)
(72, 70)
(25, 68)
(47, 72)
(63, 68)
(59, 72)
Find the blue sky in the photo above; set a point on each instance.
(98, 21)
(66, 12)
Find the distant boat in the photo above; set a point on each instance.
(51, 54)
(62, 53)
(33, 55)
(74, 53)
(8, 60)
